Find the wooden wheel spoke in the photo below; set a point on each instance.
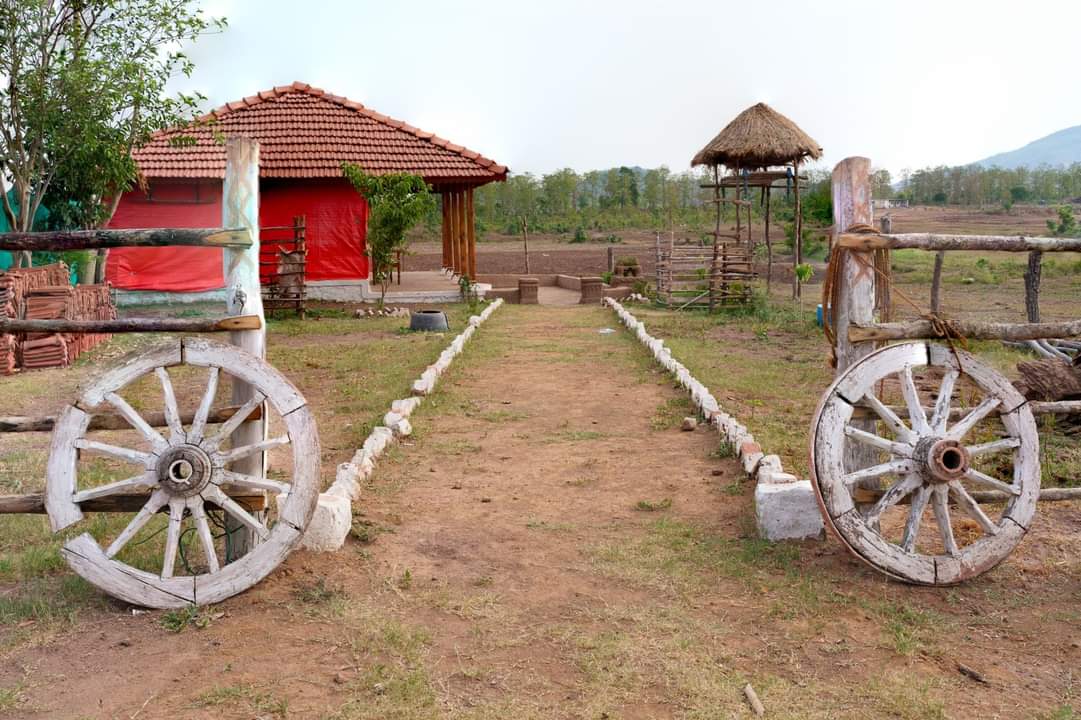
(198, 423)
(942, 404)
(206, 537)
(890, 446)
(136, 421)
(248, 450)
(971, 508)
(941, 508)
(120, 453)
(889, 417)
(172, 537)
(915, 515)
(983, 479)
(912, 399)
(145, 482)
(250, 482)
(965, 424)
(226, 429)
(894, 467)
(172, 410)
(234, 508)
(997, 446)
(892, 496)
(156, 502)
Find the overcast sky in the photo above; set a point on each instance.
(596, 83)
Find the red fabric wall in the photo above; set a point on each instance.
(336, 215)
(178, 269)
(337, 221)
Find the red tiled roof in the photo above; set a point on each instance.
(304, 132)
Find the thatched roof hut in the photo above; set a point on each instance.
(759, 137)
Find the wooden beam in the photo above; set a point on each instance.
(862, 495)
(935, 241)
(149, 237)
(471, 234)
(445, 228)
(34, 503)
(923, 329)
(15, 423)
(133, 325)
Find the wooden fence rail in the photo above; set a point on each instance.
(925, 329)
(935, 241)
(151, 237)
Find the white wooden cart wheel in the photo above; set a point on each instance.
(184, 472)
(927, 459)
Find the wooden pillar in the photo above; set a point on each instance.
(856, 294)
(452, 237)
(243, 296)
(471, 234)
(459, 249)
(797, 286)
(446, 230)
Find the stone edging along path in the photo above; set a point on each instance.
(785, 506)
(333, 516)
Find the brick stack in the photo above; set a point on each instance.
(45, 293)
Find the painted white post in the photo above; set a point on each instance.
(851, 186)
(243, 296)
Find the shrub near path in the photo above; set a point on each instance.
(550, 545)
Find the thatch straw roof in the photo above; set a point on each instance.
(759, 137)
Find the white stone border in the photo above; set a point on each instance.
(334, 513)
(785, 506)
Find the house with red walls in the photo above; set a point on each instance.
(304, 135)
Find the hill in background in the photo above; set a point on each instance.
(1060, 148)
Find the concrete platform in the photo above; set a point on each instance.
(429, 286)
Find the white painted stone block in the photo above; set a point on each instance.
(787, 511)
(391, 419)
(402, 428)
(405, 406)
(329, 525)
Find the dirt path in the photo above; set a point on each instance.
(478, 586)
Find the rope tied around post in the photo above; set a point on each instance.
(943, 327)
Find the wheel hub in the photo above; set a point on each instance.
(184, 470)
(941, 460)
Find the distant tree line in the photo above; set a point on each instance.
(976, 185)
(581, 205)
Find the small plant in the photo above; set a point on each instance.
(725, 450)
(405, 580)
(579, 235)
(1066, 226)
(316, 593)
(468, 289)
(175, 621)
(650, 506)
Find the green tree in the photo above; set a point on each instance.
(397, 202)
(84, 84)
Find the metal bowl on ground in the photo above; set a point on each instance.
(429, 321)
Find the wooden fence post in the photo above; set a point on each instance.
(856, 295)
(243, 296)
(855, 298)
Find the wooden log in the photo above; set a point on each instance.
(240, 208)
(937, 241)
(149, 237)
(923, 329)
(15, 423)
(34, 503)
(1062, 407)
(133, 325)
